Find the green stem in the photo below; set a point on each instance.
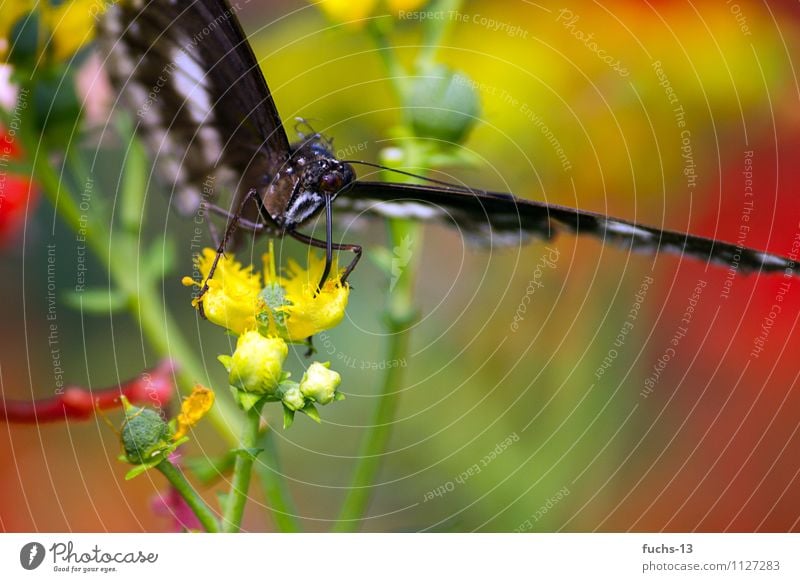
(145, 301)
(435, 31)
(281, 506)
(60, 196)
(397, 73)
(400, 315)
(240, 482)
(189, 495)
(373, 445)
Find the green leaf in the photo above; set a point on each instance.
(139, 469)
(246, 400)
(288, 417)
(311, 411)
(97, 301)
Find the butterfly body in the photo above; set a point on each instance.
(299, 189)
(206, 111)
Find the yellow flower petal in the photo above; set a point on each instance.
(232, 297)
(193, 409)
(310, 312)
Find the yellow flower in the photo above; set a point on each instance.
(231, 300)
(307, 311)
(406, 5)
(193, 409)
(289, 307)
(71, 23)
(347, 10)
(65, 27)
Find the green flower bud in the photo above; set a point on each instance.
(292, 397)
(144, 434)
(444, 105)
(319, 383)
(257, 363)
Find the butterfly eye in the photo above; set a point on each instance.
(332, 182)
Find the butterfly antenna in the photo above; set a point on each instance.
(412, 175)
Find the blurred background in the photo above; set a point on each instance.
(633, 393)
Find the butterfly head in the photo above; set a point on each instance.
(325, 175)
(314, 175)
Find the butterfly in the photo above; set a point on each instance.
(204, 107)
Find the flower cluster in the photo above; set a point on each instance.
(267, 312)
(255, 374)
(290, 307)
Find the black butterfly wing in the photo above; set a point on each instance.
(491, 218)
(201, 101)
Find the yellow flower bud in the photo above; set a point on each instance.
(319, 383)
(257, 363)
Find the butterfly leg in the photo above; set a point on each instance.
(255, 227)
(213, 233)
(321, 244)
(234, 221)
